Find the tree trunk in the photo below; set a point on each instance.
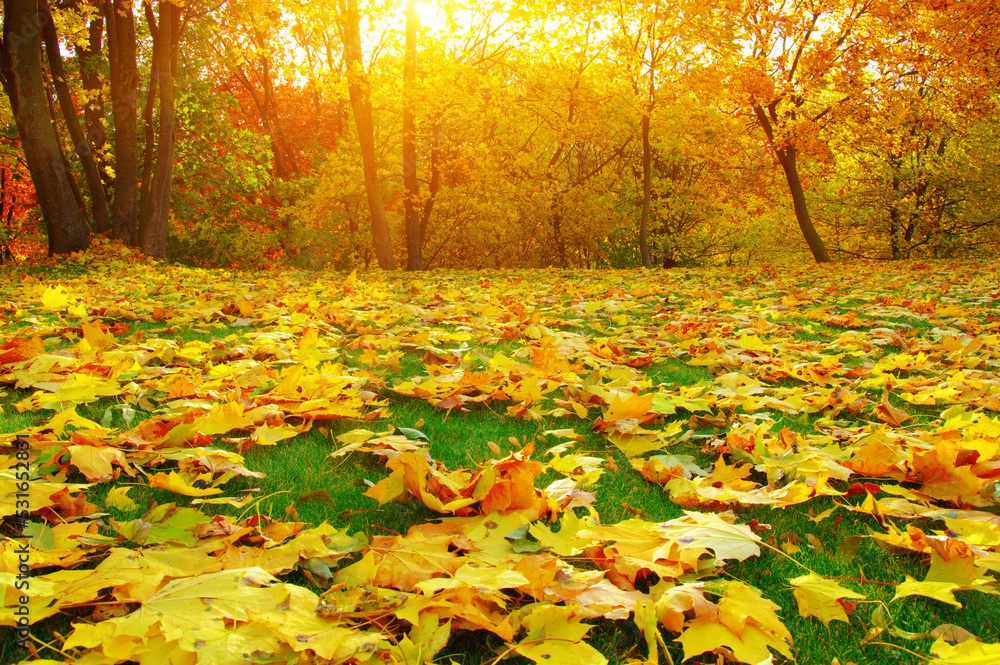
(433, 187)
(6, 210)
(21, 61)
(124, 82)
(153, 233)
(557, 234)
(787, 158)
(90, 58)
(98, 204)
(647, 192)
(411, 187)
(282, 149)
(149, 131)
(360, 94)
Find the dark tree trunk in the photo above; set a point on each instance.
(787, 158)
(360, 94)
(81, 205)
(153, 233)
(786, 155)
(283, 150)
(433, 187)
(21, 61)
(557, 234)
(285, 164)
(90, 58)
(145, 179)
(647, 193)
(124, 83)
(6, 211)
(411, 187)
(98, 204)
(894, 221)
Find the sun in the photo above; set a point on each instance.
(431, 17)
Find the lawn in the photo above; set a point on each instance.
(704, 465)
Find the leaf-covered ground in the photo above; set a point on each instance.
(703, 465)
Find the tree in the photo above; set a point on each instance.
(361, 105)
(253, 53)
(648, 39)
(153, 227)
(789, 57)
(20, 60)
(124, 80)
(411, 186)
(916, 156)
(99, 204)
(90, 56)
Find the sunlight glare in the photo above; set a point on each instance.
(431, 17)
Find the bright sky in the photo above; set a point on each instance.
(430, 17)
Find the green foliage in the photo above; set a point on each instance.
(221, 211)
(328, 225)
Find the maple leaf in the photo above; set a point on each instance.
(822, 598)
(175, 483)
(965, 653)
(95, 463)
(888, 413)
(118, 498)
(427, 636)
(440, 491)
(77, 389)
(710, 531)
(753, 646)
(17, 350)
(635, 407)
(41, 494)
(942, 591)
(53, 592)
(554, 635)
(55, 298)
(663, 468)
(196, 614)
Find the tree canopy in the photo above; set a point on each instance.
(500, 134)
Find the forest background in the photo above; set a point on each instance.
(499, 134)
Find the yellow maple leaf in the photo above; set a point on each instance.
(753, 646)
(555, 637)
(743, 605)
(753, 343)
(95, 462)
(634, 406)
(965, 653)
(54, 298)
(77, 389)
(564, 542)
(821, 598)
(937, 590)
(175, 483)
(96, 336)
(711, 531)
(119, 498)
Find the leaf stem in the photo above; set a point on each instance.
(901, 648)
(856, 579)
(787, 556)
(47, 645)
(529, 642)
(257, 503)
